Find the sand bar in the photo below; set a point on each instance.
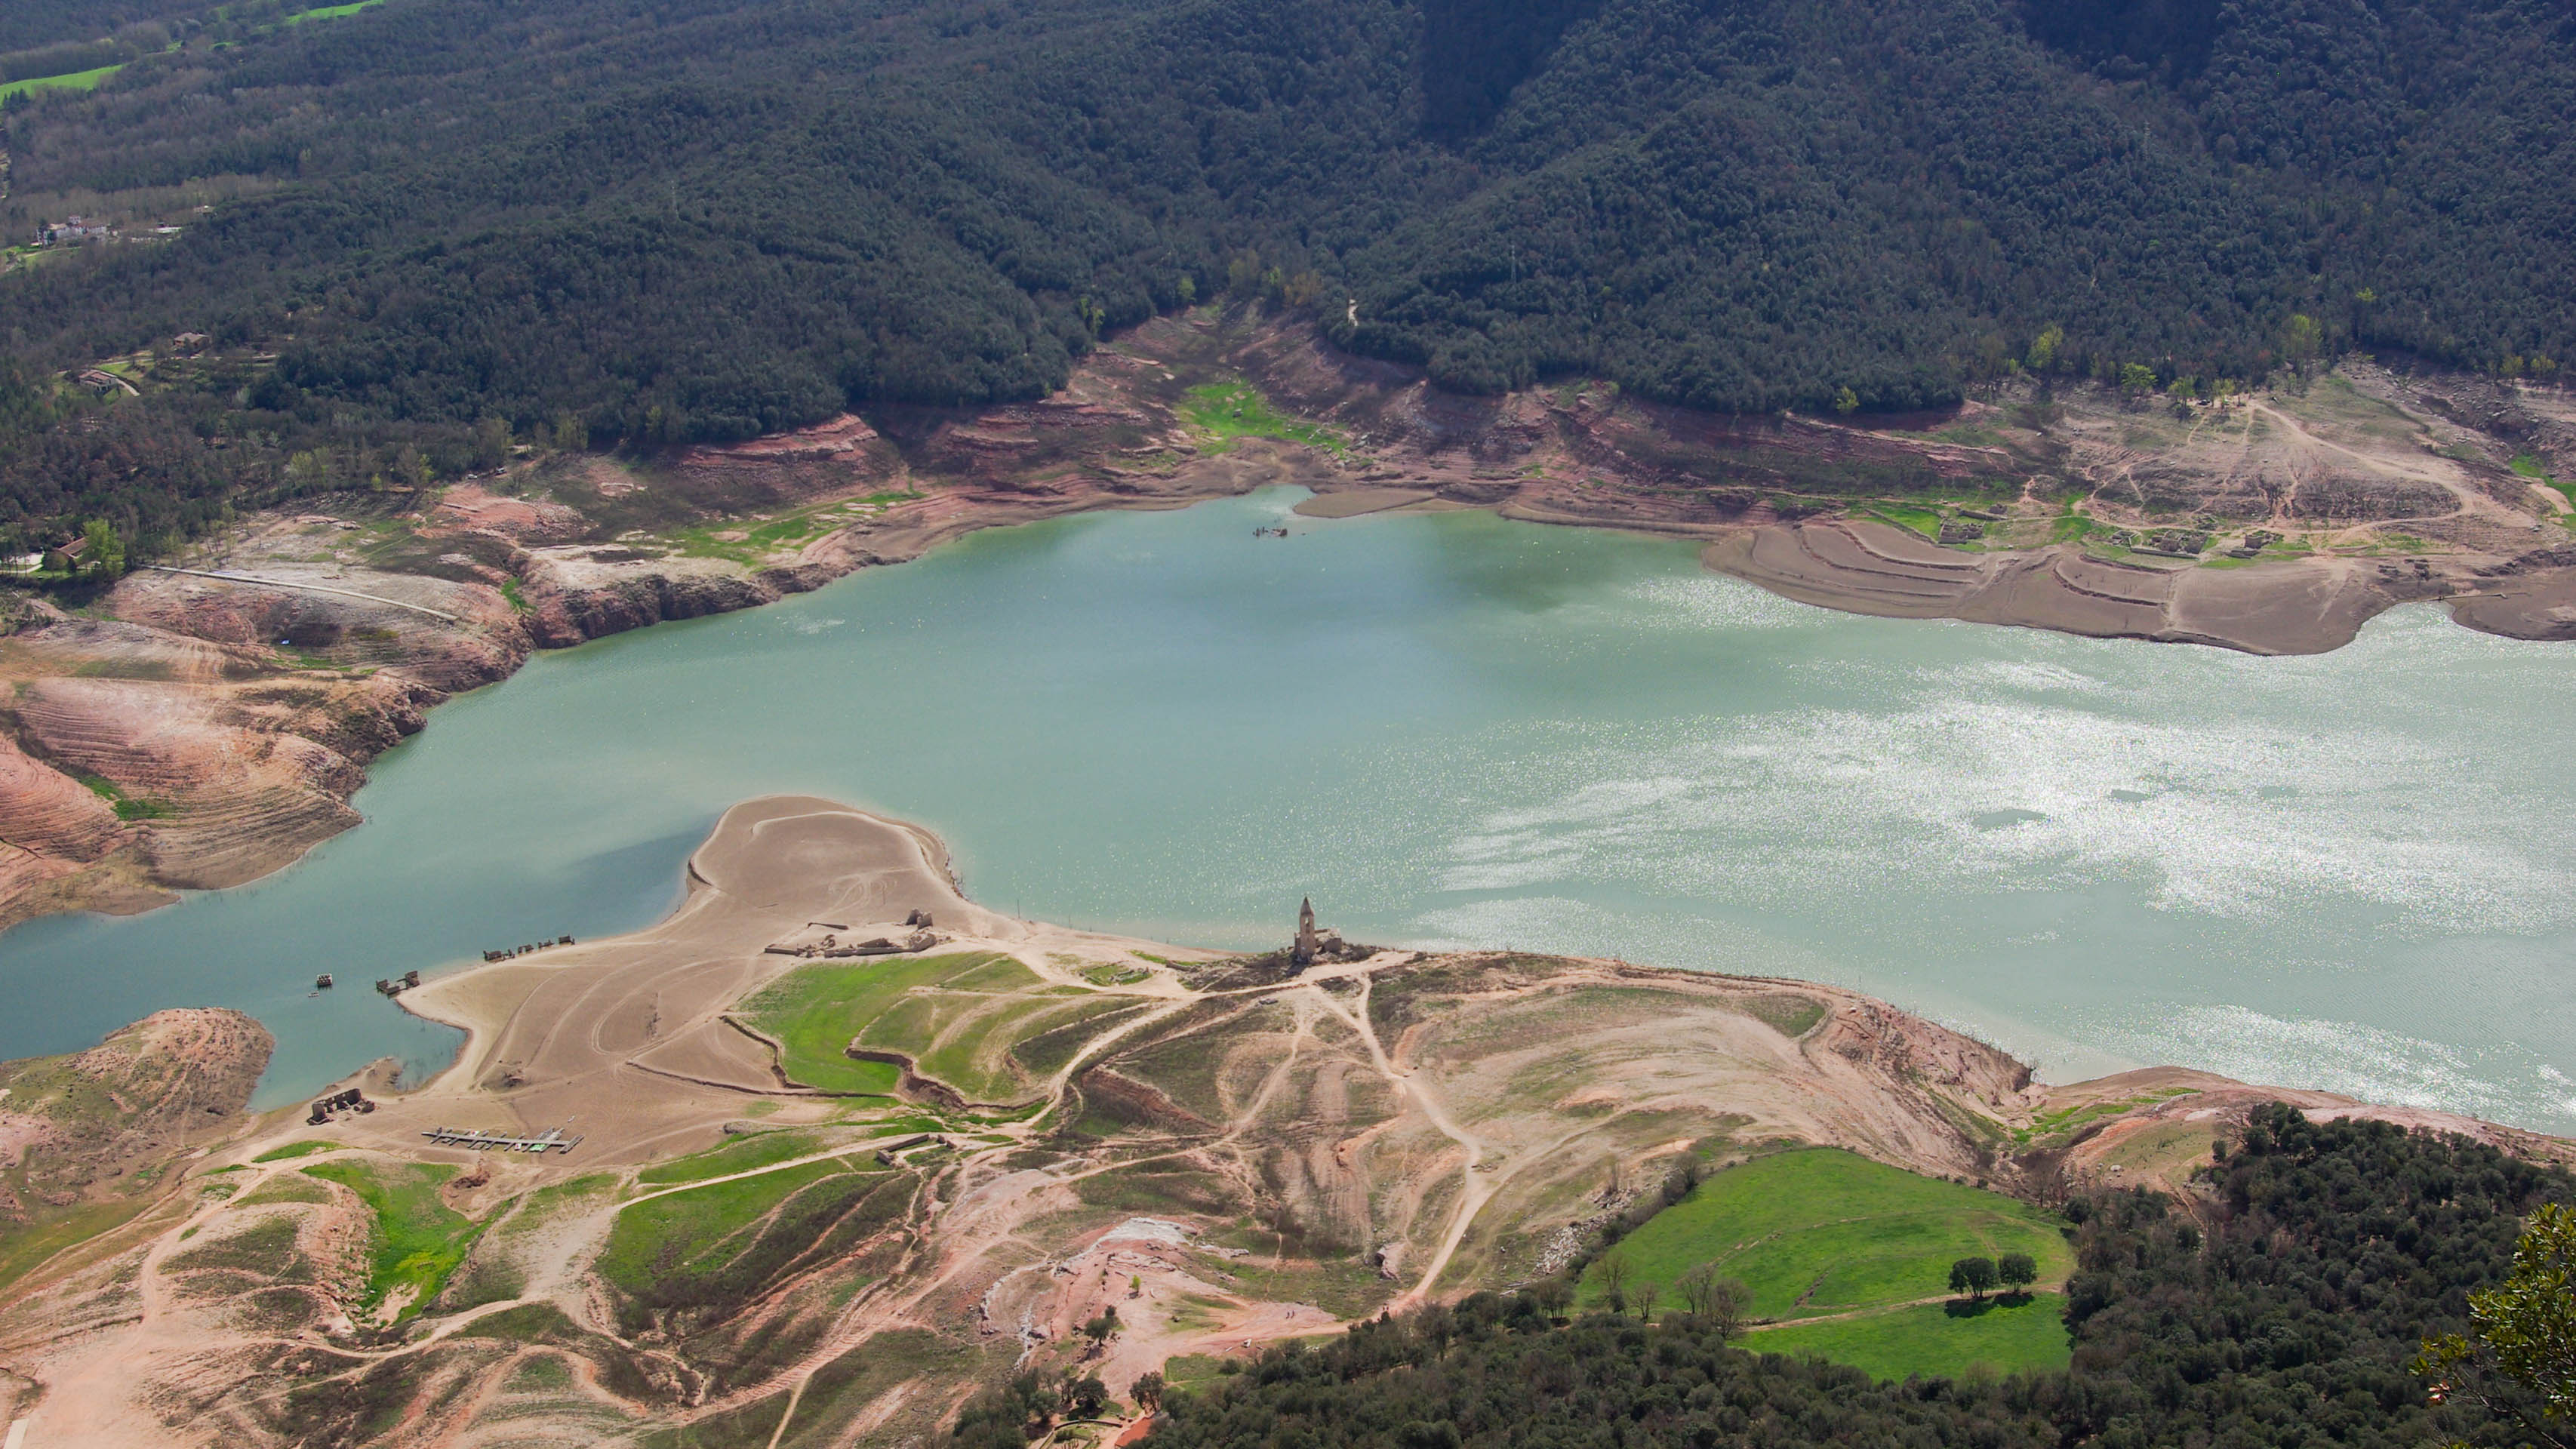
(1353, 502)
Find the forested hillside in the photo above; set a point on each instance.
(2292, 1324)
(645, 221)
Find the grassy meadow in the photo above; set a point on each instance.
(1226, 411)
(417, 1240)
(79, 80)
(960, 1018)
(1822, 1234)
(1933, 1338)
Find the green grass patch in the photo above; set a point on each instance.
(1195, 1314)
(714, 1245)
(783, 531)
(2527, 465)
(265, 1248)
(286, 1187)
(1791, 1016)
(1192, 1370)
(2074, 527)
(975, 1057)
(905, 1125)
(79, 80)
(24, 1249)
(654, 1235)
(417, 1240)
(540, 1374)
(1934, 1339)
(761, 538)
(127, 807)
(296, 1149)
(1045, 1053)
(1917, 520)
(2068, 1119)
(759, 1150)
(528, 1323)
(815, 1012)
(1227, 411)
(956, 1017)
(332, 12)
(1823, 1231)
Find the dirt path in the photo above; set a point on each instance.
(1473, 1189)
(1876, 1309)
(306, 589)
(866, 1316)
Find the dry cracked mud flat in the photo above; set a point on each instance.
(188, 731)
(818, 1199)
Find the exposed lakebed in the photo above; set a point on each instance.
(2354, 871)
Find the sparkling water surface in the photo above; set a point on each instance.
(2351, 871)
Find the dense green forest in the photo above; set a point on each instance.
(2291, 1324)
(642, 222)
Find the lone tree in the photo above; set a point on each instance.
(1647, 1293)
(2017, 1271)
(1614, 1281)
(2526, 1334)
(1147, 1392)
(1973, 1276)
(1085, 1397)
(1099, 1329)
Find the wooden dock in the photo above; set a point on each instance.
(550, 1140)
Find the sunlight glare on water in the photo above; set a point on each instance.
(2351, 871)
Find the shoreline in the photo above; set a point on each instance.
(2288, 607)
(229, 723)
(908, 860)
(1850, 565)
(741, 887)
(1443, 1120)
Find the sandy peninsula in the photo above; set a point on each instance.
(730, 1224)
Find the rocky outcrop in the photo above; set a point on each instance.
(50, 824)
(45, 813)
(204, 780)
(583, 595)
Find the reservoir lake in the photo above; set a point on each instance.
(2355, 871)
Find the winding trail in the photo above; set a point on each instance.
(1474, 1191)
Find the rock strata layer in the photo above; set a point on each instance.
(197, 729)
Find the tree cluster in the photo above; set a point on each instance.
(676, 223)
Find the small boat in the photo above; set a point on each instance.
(322, 982)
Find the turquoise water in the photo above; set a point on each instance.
(2351, 871)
